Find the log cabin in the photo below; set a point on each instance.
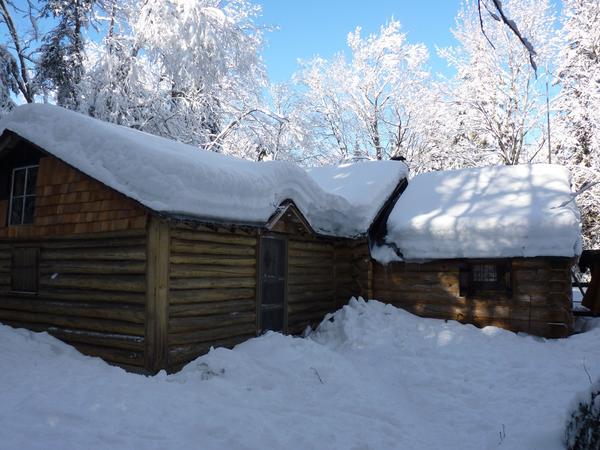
(147, 252)
(486, 246)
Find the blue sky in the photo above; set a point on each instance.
(312, 27)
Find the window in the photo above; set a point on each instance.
(25, 269)
(485, 279)
(22, 195)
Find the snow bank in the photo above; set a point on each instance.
(370, 377)
(173, 178)
(366, 185)
(502, 211)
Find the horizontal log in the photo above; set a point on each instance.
(310, 297)
(125, 242)
(310, 280)
(418, 277)
(93, 267)
(112, 355)
(190, 247)
(221, 260)
(224, 238)
(201, 271)
(213, 283)
(316, 307)
(319, 247)
(311, 288)
(305, 253)
(308, 271)
(125, 283)
(124, 342)
(79, 323)
(182, 354)
(69, 336)
(542, 287)
(108, 254)
(211, 335)
(186, 324)
(92, 310)
(209, 295)
(78, 295)
(212, 308)
(311, 318)
(297, 261)
(543, 275)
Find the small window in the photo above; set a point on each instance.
(485, 279)
(22, 195)
(25, 269)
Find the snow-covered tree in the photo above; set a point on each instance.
(498, 100)
(16, 52)
(577, 125)
(368, 106)
(60, 65)
(182, 69)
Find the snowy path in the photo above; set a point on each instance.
(375, 378)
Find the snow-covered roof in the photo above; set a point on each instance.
(361, 184)
(489, 212)
(170, 177)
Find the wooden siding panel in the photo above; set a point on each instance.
(311, 282)
(69, 202)
(540, 303)
(212, 294)
(91, 294)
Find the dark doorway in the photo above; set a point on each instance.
(273, 268)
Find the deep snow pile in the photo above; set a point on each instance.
(373, 378)
(488, 212)
(175, 178)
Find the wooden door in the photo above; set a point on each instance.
(273, 269)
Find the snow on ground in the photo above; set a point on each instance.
(375, 377)
(487, 212)
(174, 178)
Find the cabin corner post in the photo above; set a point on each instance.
(157, 295)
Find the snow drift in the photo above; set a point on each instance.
(371, 377)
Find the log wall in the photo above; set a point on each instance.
(92, 293)
(311, 282)
(540, 303)
(212, 292)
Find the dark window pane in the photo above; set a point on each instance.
(272, 319)
(16, 211)
(25, 270)
(29, 210)
(273, 292)
(31, 180)
(18, 182)
(273, 253)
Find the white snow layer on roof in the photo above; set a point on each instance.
(364, 184)
(490, 212)
(171, 177)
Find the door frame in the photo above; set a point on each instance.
(259, 276)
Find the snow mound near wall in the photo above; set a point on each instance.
(375, 377)
(170, 177)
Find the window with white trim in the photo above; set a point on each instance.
(22, 195)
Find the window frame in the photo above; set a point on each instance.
(24, 196)
(471, 288)
(36, 269)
